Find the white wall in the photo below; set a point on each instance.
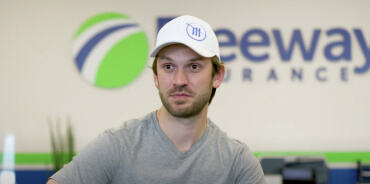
(39, 79)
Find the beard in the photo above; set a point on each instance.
(194, 109)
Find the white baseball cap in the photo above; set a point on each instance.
(190, 31)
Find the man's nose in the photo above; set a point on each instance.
(181, 78)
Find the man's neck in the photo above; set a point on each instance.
(182, 132)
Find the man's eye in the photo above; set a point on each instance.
(168, 67)
(194, 67)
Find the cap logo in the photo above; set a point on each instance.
(196, 31)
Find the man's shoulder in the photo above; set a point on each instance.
(131, 125)
(226, 140)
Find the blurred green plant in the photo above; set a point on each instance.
(62, 146)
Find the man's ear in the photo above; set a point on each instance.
(219, 77)
(155, 80)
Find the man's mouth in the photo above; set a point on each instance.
(180, 95)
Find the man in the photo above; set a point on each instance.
(177, 143)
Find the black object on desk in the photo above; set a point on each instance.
(301, 170)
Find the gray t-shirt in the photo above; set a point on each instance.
(139, 152)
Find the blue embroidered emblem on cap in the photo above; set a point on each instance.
(196, 31)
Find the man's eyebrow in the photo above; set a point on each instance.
(197, 59)
(200, 58)
(165, 58)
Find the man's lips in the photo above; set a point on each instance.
(180, 95)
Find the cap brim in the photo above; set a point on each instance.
(199, 50)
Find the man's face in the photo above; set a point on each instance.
(184, 80)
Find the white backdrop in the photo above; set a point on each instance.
(39, 79)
